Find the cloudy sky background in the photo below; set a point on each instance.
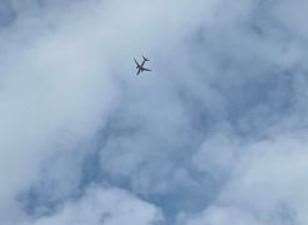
(215, 135)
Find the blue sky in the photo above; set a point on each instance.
(216, 134)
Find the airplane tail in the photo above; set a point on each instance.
(145, 59)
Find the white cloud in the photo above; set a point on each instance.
(267, 186)
(222, 216)
(107, 206)
(53, 98)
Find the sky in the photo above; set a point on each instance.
(216, 134)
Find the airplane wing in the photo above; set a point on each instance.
(146, 69)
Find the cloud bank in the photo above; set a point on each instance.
(216, 134)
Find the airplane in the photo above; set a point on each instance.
(141, 67)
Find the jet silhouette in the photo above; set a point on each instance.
(141, 67)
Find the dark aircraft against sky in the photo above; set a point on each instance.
(140, 67)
